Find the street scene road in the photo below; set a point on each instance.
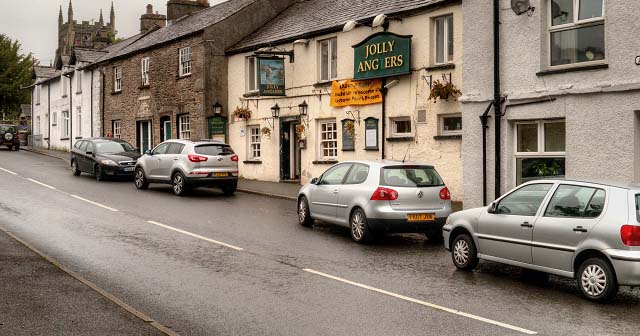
(207, 264)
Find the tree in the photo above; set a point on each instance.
(15, 75)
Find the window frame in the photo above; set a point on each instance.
(254, 146)
(117, 79)
(335, 167)
(39, 132)
(79, 121)
(252, 72)
(181, 124)
(334, 139)
(78, 81)
(394, 127)
(116, 130)
(445, 44)
(332, 74)
(54, 118)
(541, 153)
(596, 189)
(65, 125)
(144, 69)
(353, 169)
(576, 24)
(441, 119)
(185, 62)
(544, 201)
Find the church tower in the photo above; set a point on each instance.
(83, 34)
(112, 19)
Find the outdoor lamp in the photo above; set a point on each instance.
(275, 111)
(217, 108)
(304, 108)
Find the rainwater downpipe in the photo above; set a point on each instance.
(91, 100)
(484, 119)
(497, 102)
(49, 115)
(70, 111)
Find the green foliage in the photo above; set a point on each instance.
(15, 74)
(443, 91)
(113, 37)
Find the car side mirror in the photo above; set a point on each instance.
(148, 152)
(493, 208)
(314, 180)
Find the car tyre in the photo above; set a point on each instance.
(464, 253)
(304, 214)
(229, 189)
(74, 168)
(97, 171)
(596, 280)
(140, 180)
(179, 185)
(16, 148)
(360, 232)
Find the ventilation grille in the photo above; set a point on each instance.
(422, 116)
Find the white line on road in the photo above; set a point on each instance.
(42, 184)
(196, 236)
(94, 203)
(423, 303)
(8, 171)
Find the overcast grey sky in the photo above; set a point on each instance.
(35, 22)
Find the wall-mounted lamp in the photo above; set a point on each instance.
(304, 109)
(349, 26)
(217, 108)
(379, 20)
(275, 111)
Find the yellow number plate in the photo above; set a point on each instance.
(421, 217)
(220, 174)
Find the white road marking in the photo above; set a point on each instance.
(196, 236)
(8, 171)
(42, 184)
(423, 303)
(94, 203)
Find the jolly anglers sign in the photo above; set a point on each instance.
(382, 55)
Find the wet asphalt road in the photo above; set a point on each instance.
(197, 287)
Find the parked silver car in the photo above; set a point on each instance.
(375, 197)
(187, 164)
(588, 231)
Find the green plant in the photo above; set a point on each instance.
(350, 127)
(242, 113)
(300, 130)
(543, 170)
(443, 91)
(266, 131)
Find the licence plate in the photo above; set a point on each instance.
(128, 169)
(421, 217)
(220, 174)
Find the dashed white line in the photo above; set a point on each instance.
(94, 203)
(196, 236)
(423, 303)
(42, 184)
(8, 171)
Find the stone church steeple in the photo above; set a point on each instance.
(70, 14)
(83, 34)
(112, 19)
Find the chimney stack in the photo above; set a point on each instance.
(149, 20)
(179, 8)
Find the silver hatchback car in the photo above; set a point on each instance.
(376, 197)
(588, 231)
(187, 164)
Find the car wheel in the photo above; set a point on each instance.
(140, 180)
(97, 171)
(16, 148)
(10, 147)
(74, 168)
(464, 253)
(178, 184)
(359, 228)
(304, 215)
(229, 189)
(596, 280)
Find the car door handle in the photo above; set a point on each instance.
(336, 191)
(526, 225)
(579, 229)
(175, 159)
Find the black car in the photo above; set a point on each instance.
(103, 157)
(9, 136)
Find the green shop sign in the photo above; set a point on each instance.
(382, 55)
(217, 125)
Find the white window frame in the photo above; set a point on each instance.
(329, 142)
(184, 59)
(576, 24)
(394, 127)
(116, 126)
(254, 151)
(79, 121)
(541, 153)
(252, 71)
(65, 124)
(445, 43)
(78, 81)
(144, 65)
(38, 93)
(331, 73)
(184, 127)
(441, 119)
(54, 119)
(38, 130)
(117, 79)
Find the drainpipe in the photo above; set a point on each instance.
(70, 111)
(91, 100)
(49, 115)
(497, 103)
(384, 116)
(484, 119)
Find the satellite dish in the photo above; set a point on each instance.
(522, 6)
(349, 26)
(378, 20)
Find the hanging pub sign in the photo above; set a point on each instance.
(350, 93)
(381, 55)
(271, 76)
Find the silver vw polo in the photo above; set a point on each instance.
(375, 197)
(589, 231)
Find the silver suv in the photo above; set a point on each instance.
(187, 164)
(587, 231)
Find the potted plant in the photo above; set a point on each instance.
(300, 131)
(242, 113)
(350, 127)
(266, 132)
(443, 91)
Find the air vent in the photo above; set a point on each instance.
(422, 116)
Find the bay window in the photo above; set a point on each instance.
(576, 31)
(540, 150)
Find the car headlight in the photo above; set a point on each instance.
(109, 162)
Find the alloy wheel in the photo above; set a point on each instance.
(178, 184)
(594, 280)
(357, 225)
(461, 252)
(74, 167)
(139, 178)
(302, 211)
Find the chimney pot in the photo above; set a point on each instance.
(149, 9)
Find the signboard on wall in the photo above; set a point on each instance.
(349, 92)
(217, 127)
(271, 76)
(371, 134)
(348, 139)
(381, 55)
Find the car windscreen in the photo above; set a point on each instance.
(214, 150)
(638, 207)
(5, 128)
(410, 176)
(113, 147)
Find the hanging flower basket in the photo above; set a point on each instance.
(266, 132)
(242, 113)
(300, 131)
(350, 127)
(443, 91)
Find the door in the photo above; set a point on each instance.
(507, 233)
(143, 136)
(157, 161)
(166, 130)
(80, 154)
(324, 199)
(294, 148)
(571, 214)
(285, 150)
(353, 187)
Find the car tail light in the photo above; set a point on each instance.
(234, 158)
(384, 194)
(445, 195)
(197, 158)
(235, 174)
(630, 235)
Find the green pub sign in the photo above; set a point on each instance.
(217, 126)
(381, 55)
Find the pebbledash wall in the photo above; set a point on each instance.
(409, 98)
(598, 101)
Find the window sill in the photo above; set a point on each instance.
(324, 162)
(64, 139)
(64, 96)
(400, 138)
(183, 76)
(78, 92)
(441, 67)
(323, 84)
(78, 138)
(255, 162)
(251, 94)
(373, 149)
(45, 139)
(116, 92)
(552, 71)
(144, 86)
(448, 137)
(348, 149)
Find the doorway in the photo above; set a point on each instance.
(290, 151)
(165, 128)
(143, 136)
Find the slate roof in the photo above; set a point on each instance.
(183, 27)
(87, 55)
(45, 71)
(308, 17)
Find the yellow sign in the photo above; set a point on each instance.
(351, 92)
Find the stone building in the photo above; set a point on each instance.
(570, 77)
(316, 42)
(166, 81)
(87, 35)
